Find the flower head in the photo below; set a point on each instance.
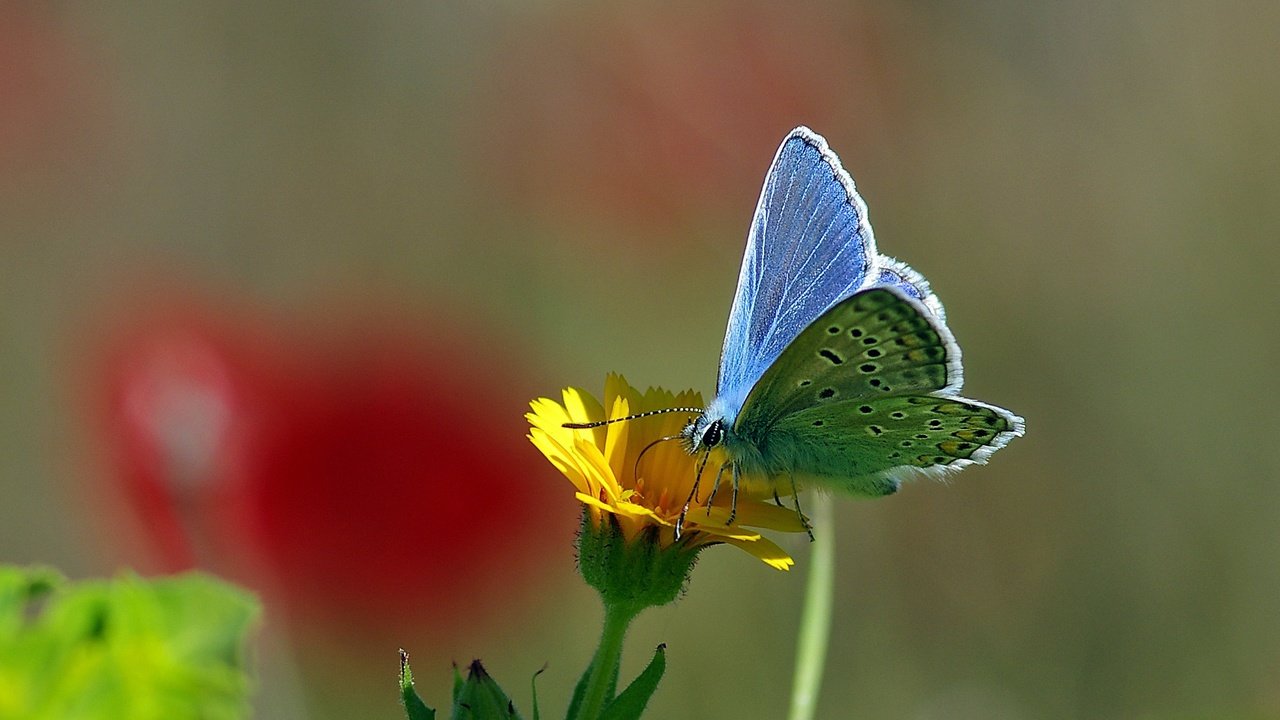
(647, 494)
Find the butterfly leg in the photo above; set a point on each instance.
(715, 488)
(795, 495)
(776, 500)
(693, 492)
(733, 503)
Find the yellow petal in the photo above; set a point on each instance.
(593, 502)
(615, 440)
(582, 408)
(766, 551)
(562, 459)
(770, 516)
(637, 510)
(726, 532)
(596, 468)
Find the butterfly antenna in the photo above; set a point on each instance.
(636, 469)
(637, 416)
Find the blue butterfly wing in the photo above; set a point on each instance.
(897, 274)
(809, 246)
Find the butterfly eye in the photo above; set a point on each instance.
(712, 435)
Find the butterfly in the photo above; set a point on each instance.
(838, 369)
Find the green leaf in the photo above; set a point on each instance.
(480, 698)
(170, 648)
(581, 688)
(533, 683)
(413, 705)
(631, 703)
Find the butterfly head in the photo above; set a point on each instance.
(704, 432)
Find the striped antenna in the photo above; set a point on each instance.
(637, 416)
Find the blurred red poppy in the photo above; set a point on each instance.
(183, 391)
(363, 477)
(645, 112)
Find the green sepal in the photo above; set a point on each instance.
(480, 698)
(414, 708)
(580, 690)
(635, 574)
(632, 701)
(457, 685)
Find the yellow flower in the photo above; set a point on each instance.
(602, 465)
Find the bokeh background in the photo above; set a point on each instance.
(276, 281)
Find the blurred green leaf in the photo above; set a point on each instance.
(170, 648)
(413, 705)
(631, 703)
(18, 588)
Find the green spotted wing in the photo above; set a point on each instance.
(867, 395)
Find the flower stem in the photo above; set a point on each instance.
(815, 621)
(604, 666)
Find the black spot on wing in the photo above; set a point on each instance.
(831, 356)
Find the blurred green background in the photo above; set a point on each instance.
(1091, 188)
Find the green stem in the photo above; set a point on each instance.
(604, 666)
(815, 622)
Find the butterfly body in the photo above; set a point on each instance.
(838, 368)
